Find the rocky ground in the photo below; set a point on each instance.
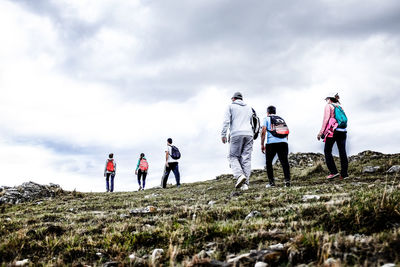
(315, 222)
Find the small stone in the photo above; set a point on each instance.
(277, 247)
(22, 263)
(211, 203)
(260, 264)
(370, 169)
(132, 257)
(156, 255)
(331, 262)
(253, 214)
(238, 258)
(124, 216)
(389, 265)
(310, 197)
(394, 169)
(99, 254)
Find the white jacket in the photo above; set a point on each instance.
(238, 119)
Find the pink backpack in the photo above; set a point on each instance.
(143, 166)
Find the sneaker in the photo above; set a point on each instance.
(287, 184)
(344, 178)
(240, 181)
(244, 187)
(331, 176)
(140, 188)
(269, 185)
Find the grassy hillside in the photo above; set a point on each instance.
(350, 222)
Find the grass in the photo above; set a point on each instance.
(356, 221)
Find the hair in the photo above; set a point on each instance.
(169, 140)
(111, 155)
(271, 110)
(141, 155)
(335, 99)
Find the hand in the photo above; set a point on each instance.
(166, 164)
(319, 137)
(224, 140)
(263, 149)
(136, 172)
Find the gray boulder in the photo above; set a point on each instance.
(394, 169)
(371, 169)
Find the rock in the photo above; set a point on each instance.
(331, 262)
(148, 209)
(370, 169)
(260, 264)
(310, 197)
(156, 255)
(22, 263)
(151, 195)
(389, 265)
(99, 254)
(211, 203)
(111, 264)
(124, 216)
(28, 192)
(132, 257)
(276, 247)
(394, 169)
(253, 214)
(242, 258)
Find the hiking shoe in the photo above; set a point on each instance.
(244, 187)
(331, 176)
(269, 185)
(240, 181)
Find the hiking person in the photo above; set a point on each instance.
(109, 172)
(141, 171)
(172, 155)
(238, 119)
(333, 131)
(276, 131)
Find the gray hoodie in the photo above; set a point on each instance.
(238, 119)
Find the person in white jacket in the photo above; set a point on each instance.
(238, 120)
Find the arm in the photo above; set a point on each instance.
(225, 124)
(115, 167)
(327, 115)
(264, 131)
(166, 158)
(105, 169)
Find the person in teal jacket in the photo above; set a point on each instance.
(141, 171)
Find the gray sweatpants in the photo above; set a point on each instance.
(240, 155)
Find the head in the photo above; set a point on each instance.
(333, 98)
(169, 141)
(237, 96)
(111, 155)
(271, 110)
(141, 155)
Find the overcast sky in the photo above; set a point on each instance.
(80, 79)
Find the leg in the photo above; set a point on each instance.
(235, 155)
(107, 179)
(144, 179)
(341, 144)
(283, 151)
(246, 157)
(330, 163)
(139, 174)
(112, 182)
(270, 152)
(165, 177)
(175, 170)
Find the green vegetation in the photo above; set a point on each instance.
(356, 221)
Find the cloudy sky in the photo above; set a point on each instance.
(82, 78)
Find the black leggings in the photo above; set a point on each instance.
(141, 174)
(340, 139)
(282, 149)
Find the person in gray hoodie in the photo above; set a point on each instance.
(109, 172)
(238, 120)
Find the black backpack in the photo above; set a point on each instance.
(279, 127)
(255, 124)
(175, 153)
